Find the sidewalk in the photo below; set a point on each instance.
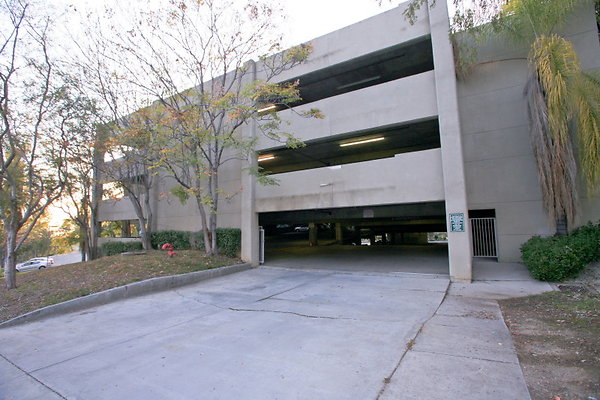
(465, 350)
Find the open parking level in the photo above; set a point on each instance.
(423, 259)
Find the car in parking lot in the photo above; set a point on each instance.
(48, 260)
(34, 263)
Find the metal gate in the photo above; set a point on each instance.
(261, 245)
(484, 237)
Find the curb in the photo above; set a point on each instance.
(123, 292)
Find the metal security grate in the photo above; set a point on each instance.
(484, 237)
(261, 244)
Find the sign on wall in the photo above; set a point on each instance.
(457, 222)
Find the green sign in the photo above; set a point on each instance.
(457, 222)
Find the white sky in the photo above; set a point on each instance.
(308, 19)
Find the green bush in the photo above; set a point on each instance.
(561, 257)
(229, 241)
(179, 239)
(112, 248)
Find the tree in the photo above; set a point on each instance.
(133, 153)
(32, 167)
(563, 101)
(192, 58)
(79, 132)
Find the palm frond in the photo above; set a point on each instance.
(553, 67)
(587, 101)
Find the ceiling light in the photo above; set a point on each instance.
(377, 139)
(266, 157)
(266, 108)
(347, 85)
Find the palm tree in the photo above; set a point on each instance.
(563, 103)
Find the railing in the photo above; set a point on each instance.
(484, 237)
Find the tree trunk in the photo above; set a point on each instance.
(10, 272)
(562, 227)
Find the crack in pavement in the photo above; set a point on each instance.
(467, 357)
(32, 377)
(294, 313)
(410, 344)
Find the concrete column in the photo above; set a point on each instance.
(459, 243)
(339, 236)
(313, 234)
(249, 216)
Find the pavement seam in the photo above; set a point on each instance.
(33, 377)
(467, 357)
(296, 287)
(409, 345)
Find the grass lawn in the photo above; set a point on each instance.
(37, 289)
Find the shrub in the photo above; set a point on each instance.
(112, 248)
(560, 257)
(179, 239)
(229, 241)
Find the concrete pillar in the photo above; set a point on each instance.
(249, 216)
(339, 236)
(313, 234)
(459, 243)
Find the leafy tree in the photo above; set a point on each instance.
(192, 58)
(32, 166)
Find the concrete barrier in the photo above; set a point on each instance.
(122, 292)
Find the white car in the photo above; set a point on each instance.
(48, 260)
(34, 263)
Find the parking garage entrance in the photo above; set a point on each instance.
(388, 238)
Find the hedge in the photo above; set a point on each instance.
(179, 239)
(558, 258)
(229, 240)
(112, 248)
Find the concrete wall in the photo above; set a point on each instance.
(378, 32)
(406, 178)
(407, 99)
(501, 172)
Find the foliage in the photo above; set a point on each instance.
(191, 58)
(557, 258)
(179, 239)
(68, 235)
(229, 240)
(112, 248)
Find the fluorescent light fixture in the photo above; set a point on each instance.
(268, 107)
(266, 157)
(377, 139)
(347, 85)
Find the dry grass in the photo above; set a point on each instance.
(556, 337)
(38, 289)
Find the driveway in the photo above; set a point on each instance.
(266, 333)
